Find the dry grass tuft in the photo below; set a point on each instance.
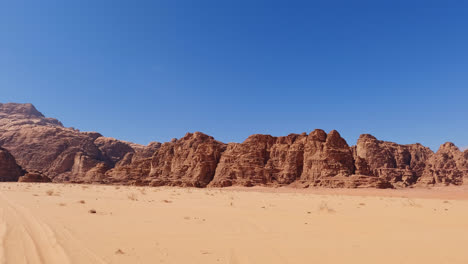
(62, 204)
(119, 252)
(92, 211)
(411, 203)
(82, 201)
(50, 192)
(132, 197)
(323, 207)
(167, 201)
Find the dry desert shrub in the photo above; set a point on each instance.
(132, 197)
(411, 203)
(119, 252)
(143, 191)
(167, 201)
(62, 204)
(81, 201)
(50, 192)
(323, 207)
(92, 211)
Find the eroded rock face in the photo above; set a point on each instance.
(62, 154)
(398, 164)
(9, 169)
(34, 177)
(244, 163)
(326, 156)
(65, 154)
(189, 161)
(447, 166)
(134, 168)
(267, 160)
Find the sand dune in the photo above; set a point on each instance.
(52, 223)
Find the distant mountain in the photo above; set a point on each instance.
(43, 146)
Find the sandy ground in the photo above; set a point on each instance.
(51, 223)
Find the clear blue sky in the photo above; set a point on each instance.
(152, 70)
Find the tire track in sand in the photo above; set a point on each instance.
(26, 239)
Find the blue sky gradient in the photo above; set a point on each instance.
(152, 70)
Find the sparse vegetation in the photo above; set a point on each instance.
(132, 196)
(50, 192)
(323, 207)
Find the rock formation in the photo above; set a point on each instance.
(401, 165)
(9, 169)
(48, 150)
(189, 161)
(134, 168)
(34, 177)
(63, 154)
(326, 156)
(447, 166)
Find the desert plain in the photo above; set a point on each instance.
(72, 223)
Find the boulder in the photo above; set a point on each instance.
(9, 169)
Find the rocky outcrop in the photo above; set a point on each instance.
(267, 160)
(326, 156)
(401, 165)
(317, 159)
(34, 177)
(9, 169)
(189, 161)
(134, 168)
(63, 154)
(447, 166)
(244, 163)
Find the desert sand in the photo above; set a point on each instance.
(55, 223)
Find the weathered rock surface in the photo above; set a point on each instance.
(267, 160)
(244, 163)
(63, 154)
(326, 156)
(189, 161)
(319, 159)
(9, 169)
(34, 177)
(134, 168)
(401, 165)
(447, 166)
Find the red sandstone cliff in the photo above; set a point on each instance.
(50, 150)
